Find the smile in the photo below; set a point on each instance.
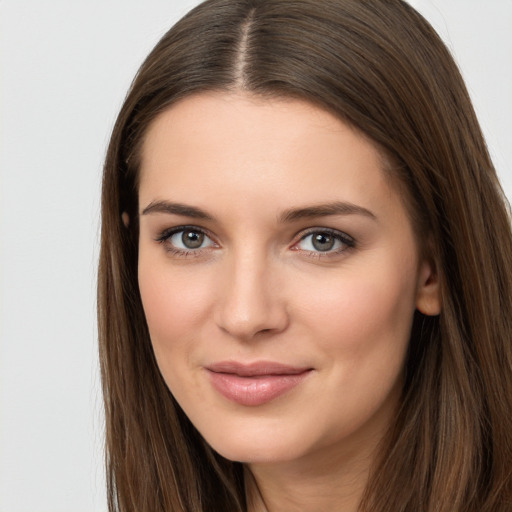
(255, 384)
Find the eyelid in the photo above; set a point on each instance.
(348, 241)
(166, 234)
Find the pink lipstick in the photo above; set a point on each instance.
(257, 383)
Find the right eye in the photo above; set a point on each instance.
(185, 240)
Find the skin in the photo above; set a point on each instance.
(259, 289)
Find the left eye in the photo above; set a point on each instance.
(189, 239)
(323, 241)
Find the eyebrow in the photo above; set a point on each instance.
(324, 210)
(290, 215)
(176, 209)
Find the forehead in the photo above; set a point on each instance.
(234, 139)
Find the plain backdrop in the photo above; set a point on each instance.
(65, 66)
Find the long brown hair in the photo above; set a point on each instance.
(378, 65)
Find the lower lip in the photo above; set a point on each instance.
(256, 390)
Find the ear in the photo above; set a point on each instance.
(428, 296)
(126, 219)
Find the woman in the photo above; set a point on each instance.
(305, 277)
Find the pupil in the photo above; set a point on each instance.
(323, 242)
(192, 239)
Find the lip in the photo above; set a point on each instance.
(256, 383)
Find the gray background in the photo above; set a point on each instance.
(64, 68)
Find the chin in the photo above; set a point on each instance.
(254, 454)
(264, 446)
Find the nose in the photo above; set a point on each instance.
(251, 298)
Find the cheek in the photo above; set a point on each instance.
(174, 305)
(361, 324)
(364, 313)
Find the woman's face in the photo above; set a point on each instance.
(279, 274)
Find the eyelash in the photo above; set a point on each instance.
(347, 242)
(164, 239)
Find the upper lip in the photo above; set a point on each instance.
(257, 368)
